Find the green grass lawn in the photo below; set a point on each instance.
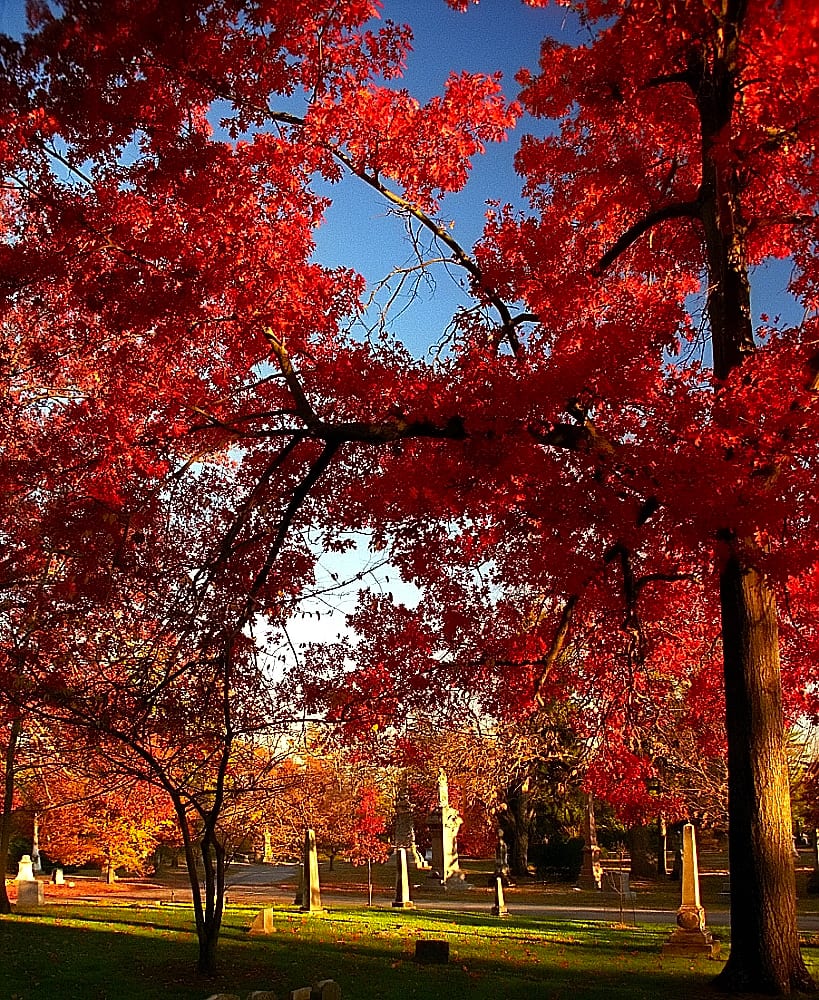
(88, 952)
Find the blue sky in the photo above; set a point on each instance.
(12, 21)
(494, 35)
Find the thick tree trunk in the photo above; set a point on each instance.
(5, 819)
(515, 821)
(765, 953)
(642, 863)
(765, 956)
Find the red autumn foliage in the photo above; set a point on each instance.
(604, 455)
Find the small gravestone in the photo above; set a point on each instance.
(690, 937)
(57, 877)
(29, 894)
(499, 909)
(262, 995)
(402, 891)
(432, 952)
(327, 989)
(303, 993)
(224, 996)
(263, 922)
(311, 891)
(25, 870)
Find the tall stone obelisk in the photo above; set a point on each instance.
(690, 937)
(311, 890)
(402, 891)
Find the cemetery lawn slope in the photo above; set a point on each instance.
(80, 952)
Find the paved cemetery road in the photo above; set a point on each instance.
(240, 874)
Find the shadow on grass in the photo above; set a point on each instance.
(581, 960)
(138, 954)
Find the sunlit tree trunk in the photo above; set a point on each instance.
(765, 954)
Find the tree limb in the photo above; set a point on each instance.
(557, 647)
(677, 210)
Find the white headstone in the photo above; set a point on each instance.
(263, 922)
(26, 870)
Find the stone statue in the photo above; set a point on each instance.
(444, 823)
(501, 855)
(443, 789)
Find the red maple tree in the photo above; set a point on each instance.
(581, 446)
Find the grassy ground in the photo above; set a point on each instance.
(101, 953)
(80, 950)
(93, 952)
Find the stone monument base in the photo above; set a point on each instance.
(456, 879)
(592, 881)
(691, 944)
(29, 894)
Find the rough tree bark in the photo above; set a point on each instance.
(515, 821)
(643, 864)
(5, 819)
(765, 952)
